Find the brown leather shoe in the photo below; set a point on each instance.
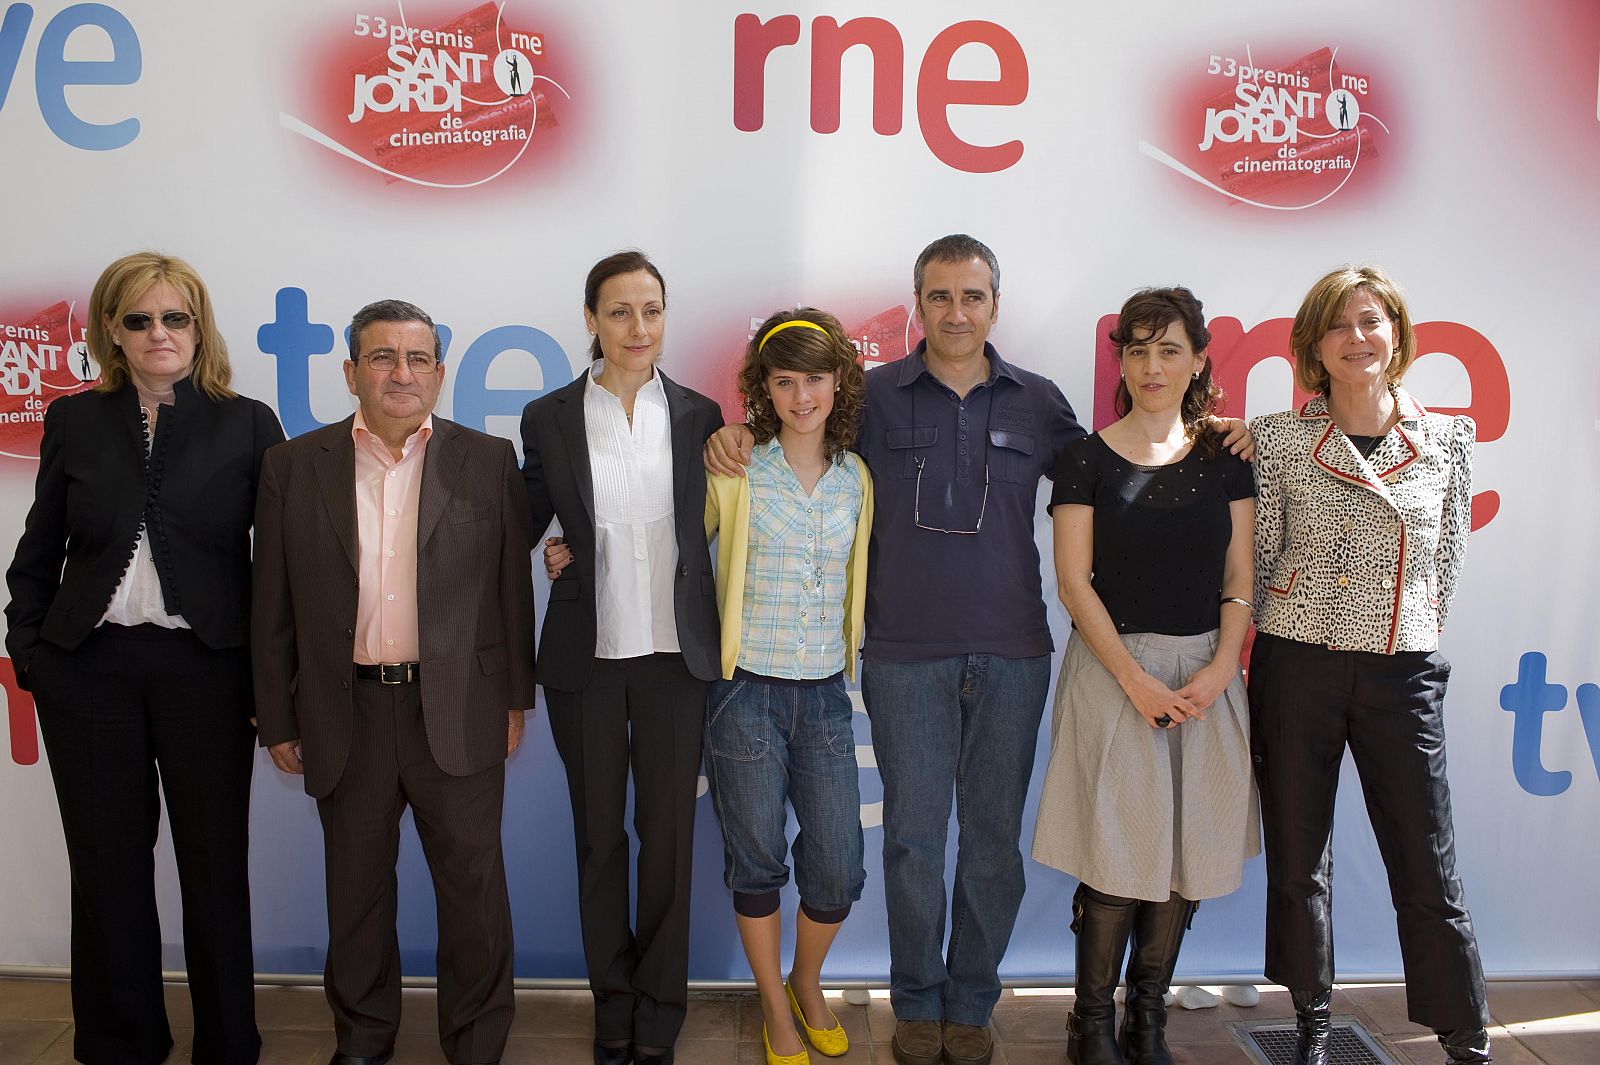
(918, 1043)
(967, 1044)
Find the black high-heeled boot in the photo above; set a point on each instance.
(1313, 1016)
(1466, 1046)
(1101, 924)
(1157, 934)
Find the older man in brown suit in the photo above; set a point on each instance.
(392, 637)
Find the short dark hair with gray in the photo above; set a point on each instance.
(391, 311)
(957, 248)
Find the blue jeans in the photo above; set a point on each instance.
(767, 742)
(967, 724)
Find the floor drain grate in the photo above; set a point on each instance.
(1273, 1042)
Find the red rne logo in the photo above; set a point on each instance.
(755, 41)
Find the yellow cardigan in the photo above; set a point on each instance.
(728, 518)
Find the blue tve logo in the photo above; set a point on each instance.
(54, 73)
(1528, 700)
(294, 340)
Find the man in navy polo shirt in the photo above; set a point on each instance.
(956, 666)
(957, 658)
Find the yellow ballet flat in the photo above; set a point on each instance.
(774, 1058)
(831, 1042)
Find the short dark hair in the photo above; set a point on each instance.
(391, 311)
(956, 248)
(622, 262)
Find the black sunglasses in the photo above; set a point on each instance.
(138, 321)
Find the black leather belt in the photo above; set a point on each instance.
(391, 672)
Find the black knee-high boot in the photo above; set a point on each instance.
(1157, 934)
(1313, 1014)
(1466, 1046)
(1101, 924)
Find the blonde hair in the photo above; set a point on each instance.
(1326, 302)
(123, 284)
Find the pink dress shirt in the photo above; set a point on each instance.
(387, 497)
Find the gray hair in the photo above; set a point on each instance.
(956, 248)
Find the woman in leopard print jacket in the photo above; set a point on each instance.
(1363, 514)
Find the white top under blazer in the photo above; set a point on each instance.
(635, 545)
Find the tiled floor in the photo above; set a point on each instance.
(1553, 1023)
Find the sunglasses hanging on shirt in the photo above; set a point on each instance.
(921, 461)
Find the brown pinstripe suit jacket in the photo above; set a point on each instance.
(474, 598)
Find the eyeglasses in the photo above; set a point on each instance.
(916, 505)
(416, 362)
(138, 321)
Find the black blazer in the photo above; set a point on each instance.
(196, 497)
(555, 467)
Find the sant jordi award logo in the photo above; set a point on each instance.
(439, 101)
(1280, 135)
(42, 358)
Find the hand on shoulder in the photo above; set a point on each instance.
(727, 451)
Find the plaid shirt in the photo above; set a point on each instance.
(799, 551)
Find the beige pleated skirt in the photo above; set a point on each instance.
(1142, 812)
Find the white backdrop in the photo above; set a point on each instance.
(758, 175)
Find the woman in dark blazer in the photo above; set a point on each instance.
(1365, 505)
(128, 621)
(629, 642)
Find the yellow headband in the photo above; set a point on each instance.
(785, 325)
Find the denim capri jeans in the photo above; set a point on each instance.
(771, 740)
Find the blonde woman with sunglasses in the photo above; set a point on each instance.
(129, 623)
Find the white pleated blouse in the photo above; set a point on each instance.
(636, 549)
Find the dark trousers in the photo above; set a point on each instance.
(131, 707)
(647, 714)
(1306, 703)
(458, 822)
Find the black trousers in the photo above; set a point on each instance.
(1306, 703)
(131, 707)
(646, 714)
(458, 822)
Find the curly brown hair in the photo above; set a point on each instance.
(824, 349)
(1148, 314)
